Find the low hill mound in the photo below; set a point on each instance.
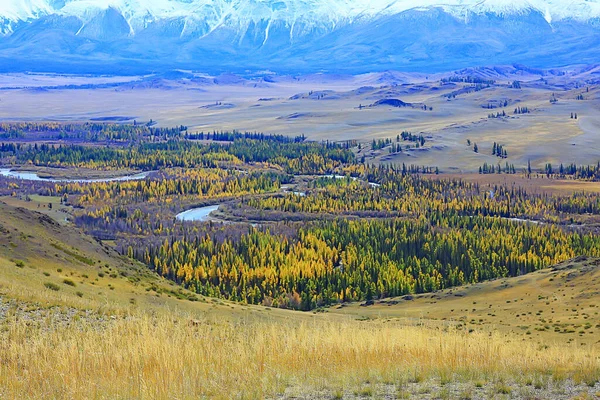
(558, 304)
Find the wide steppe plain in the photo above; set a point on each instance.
(337, 108)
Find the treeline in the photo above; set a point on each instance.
(378, 144)
(582, 172)
(399, 193)
(235, 135)
(88, 132)
(497, 169)
(498, 150)
(521, 110)
(111, 132)
(174, 185)
(293, 157)
(572, 171)
(422, 234)
(468, 79)
(491, 106)
(497, 115)
(411, 138)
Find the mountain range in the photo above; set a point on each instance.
(294, 36)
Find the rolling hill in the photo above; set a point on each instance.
(78, 319)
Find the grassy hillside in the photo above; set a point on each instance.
(49, 264)
(79, 321)
(558, 304)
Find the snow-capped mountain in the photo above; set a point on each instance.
(241, 12)
(295, 35)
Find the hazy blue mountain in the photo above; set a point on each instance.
(292, 36)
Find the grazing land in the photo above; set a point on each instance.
(109, 327)
(235, 239)
(538, 124)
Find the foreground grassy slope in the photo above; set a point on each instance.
(122, 332)
(557, 304)
(44, 262)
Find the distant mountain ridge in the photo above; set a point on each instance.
(352, 36)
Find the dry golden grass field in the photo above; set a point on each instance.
(79, 322)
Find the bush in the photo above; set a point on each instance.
(20, 264)
(69, 282)
(52, 286)
(79, 294)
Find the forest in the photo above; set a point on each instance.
(301, 224)
(293, 157)
(342, 260)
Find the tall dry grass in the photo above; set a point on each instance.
(163, 357)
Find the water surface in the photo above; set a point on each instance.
(200, 214)
(33, 176)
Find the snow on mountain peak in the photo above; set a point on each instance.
(294, 35)
(326, 13)
(14, 11)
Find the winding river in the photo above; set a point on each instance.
(200, 214)
(373, 184)
(33, 176)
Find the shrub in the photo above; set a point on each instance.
(69, 282)
(365, 392)
(503, 389)
(52, 286)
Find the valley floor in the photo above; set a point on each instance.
(91, 335)
(106, 293)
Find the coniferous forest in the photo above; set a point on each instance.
(299, 224)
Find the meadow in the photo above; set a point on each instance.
(164, 356)
(411, 281)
